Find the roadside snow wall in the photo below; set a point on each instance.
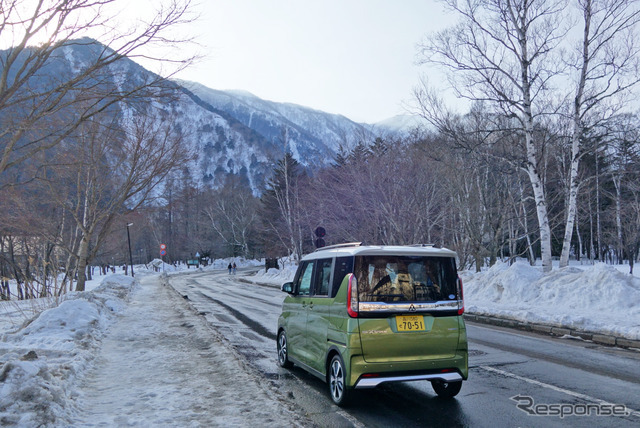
(598, 298)
(40, 362)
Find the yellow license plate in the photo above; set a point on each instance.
(410, 322)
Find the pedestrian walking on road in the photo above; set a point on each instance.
(234, 268)
(229, 267)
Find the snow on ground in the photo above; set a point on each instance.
(54, 367)
(275, 277)
(128, 353)
(173, 369)
(42, 361)
(596, 298)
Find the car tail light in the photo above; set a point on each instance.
(460, 298)
(352, 296)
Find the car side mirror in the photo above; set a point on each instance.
(287, 287)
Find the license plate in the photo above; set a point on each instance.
(410, 322)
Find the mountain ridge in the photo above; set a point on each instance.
(231, 132)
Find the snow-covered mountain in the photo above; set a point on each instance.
(399, 125)
(221, 144)
(312, 136)
(231, 132)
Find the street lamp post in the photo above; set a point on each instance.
(129, 240)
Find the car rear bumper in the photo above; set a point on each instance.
(370, 375)
(372, 382)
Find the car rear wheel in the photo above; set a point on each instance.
(283, 356)
(337, 382)
(446, 389)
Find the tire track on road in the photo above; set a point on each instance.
(254, 326)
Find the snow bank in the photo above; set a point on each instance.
(41, 361)
(598, 298)
(275, 276)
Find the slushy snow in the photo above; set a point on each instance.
(42, 361)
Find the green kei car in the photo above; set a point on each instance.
(359, 316)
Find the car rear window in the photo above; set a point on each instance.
(405, 278)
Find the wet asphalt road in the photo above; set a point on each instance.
(516, 379)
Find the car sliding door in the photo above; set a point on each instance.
(318, 314)
(297, 323)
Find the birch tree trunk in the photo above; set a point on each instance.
(575, 139)
(607, 67)
(617, 181)
(533, 155)
(573, 194)
(543, 216)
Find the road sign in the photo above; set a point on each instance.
(163, 252)
(163, 246)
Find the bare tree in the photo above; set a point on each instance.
(478, 179)
(232, 214)
(630, 219)
(624, 137)
(106, 170)
(282, 208)
(503, 52)
(36, 89)
(606, 66)
(386, 193)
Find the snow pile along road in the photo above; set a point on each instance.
(130, 354)
(598, 298)
(42, 361)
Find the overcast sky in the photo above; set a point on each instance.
(351, 57)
